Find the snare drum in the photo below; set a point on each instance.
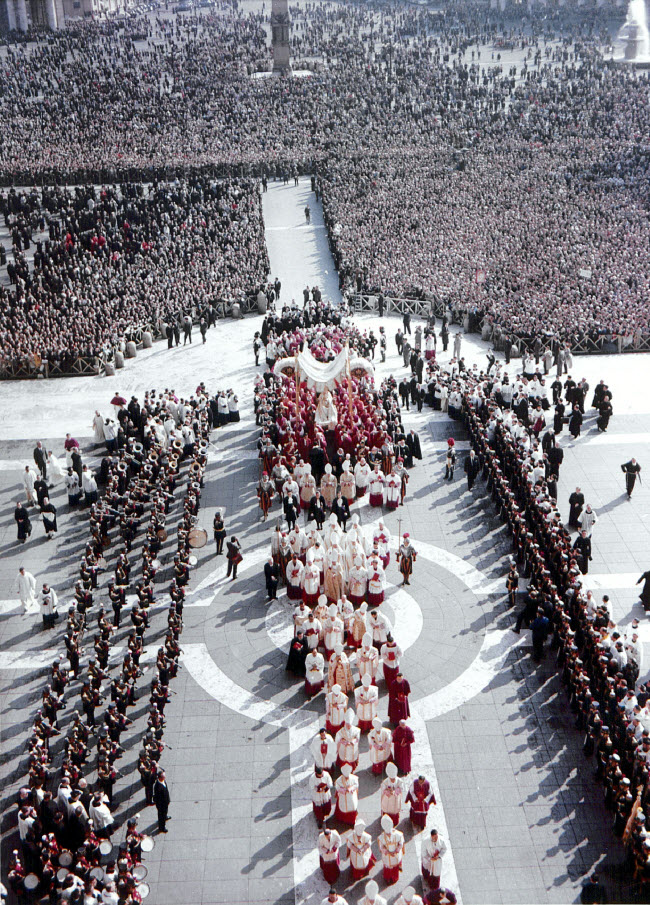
(65, 858)
(192, 560)
(97, 873)
(31, 881)
(155, 564)
(143, 889)
(139, 872)
(105, 848)
(62, 873)
(147, 844)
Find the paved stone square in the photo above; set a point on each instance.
(522, 815)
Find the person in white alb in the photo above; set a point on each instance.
(347, 742)
(355, 534)
(323, 750)
(376, 581)
(336, 705)
(392, 794)
(368, 659)
(315, 672)
(357, 582)
(358, 627)
(329, 843)
(334, 631)
(295, 571)
(372, 896)
(409, 897)
(432, 851)
(379, 627)
(391, 654)
(339, 671)
(321, 794)
(360, 853)
(300, 616)
(391, 846)
(328, 484)
(347, 796)
(311, 581)
(377, 482)
(380, 741)
(312, 629)
(362, 473)
(26, 587)
(333, 898)
(29, 479)
(366, 702)
(381, 537)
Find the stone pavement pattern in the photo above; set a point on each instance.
(525, 819)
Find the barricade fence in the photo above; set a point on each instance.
(34, 368)
(472, 322)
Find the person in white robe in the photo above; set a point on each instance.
(329, 843)
(323, 750)
(360, 853)
(372, 896)
(312, 629)
(392, 794)
(357, 582)
(314, 673)
(409, 897)
(391, 846)
(380, 741)
(98, 428)
(347, 795)
(368, 659)
(366, 699)
(379, 627)
(336, 705)
(334, 631)
(377, 483)
(29, 478)
(26, 587)
(320, 783)
(347, 741)
(432, 852)
(295, 571)
(362, 472)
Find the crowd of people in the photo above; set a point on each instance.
(599, 661)
(113, 258)
(335, 577)
(66, 811)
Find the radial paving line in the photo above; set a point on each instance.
(302, 727)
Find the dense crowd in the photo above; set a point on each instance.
(124, 256)
(515, 192)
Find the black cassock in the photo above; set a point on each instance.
(22, 521)
(576, 502)
(413, 443)
(297, 656)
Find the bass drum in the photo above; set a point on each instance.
(198, 537)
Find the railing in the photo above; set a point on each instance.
(605, 344)
(29, 368)
(363, 301)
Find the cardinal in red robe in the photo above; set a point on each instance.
(403, 738)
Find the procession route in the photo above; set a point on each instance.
(309, 885)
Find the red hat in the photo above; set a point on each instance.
(451, 442)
